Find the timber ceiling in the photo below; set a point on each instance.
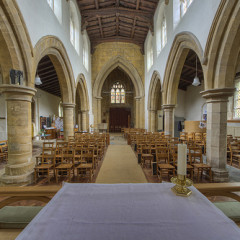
(117, 20)
(48, 76)
(189, 71)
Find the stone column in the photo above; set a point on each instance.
(99, 109)
(169, 119)
(68, 119)
(153, 120)
(79, 120)
(19, 168)
(217, 100)
(84, 120)
(137, 124)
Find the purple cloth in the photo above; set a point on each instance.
(128, 212)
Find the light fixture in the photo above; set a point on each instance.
(196, 81)
(38, 80)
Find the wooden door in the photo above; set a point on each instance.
(119, 118)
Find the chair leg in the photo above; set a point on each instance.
(56, 175)
(48, 176)
(35, 176)
(198, 174)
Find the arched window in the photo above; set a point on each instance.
(184, 4)
(74, 26)
(149, 52)
(236, 101)
(163, 32)
(56, 6)
(85, 52)
(117, 93)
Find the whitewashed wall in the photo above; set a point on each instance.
(46, 105)
(41, 21)
(197, 20)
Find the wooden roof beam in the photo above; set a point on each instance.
(134, 24)
(117, 23)
(96, 4)
(138, 3)
(100, 25)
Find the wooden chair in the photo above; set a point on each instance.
(146, 155)
(45, 165)
(196, 160)
(163, 163)
(86, 166)
(66, 165)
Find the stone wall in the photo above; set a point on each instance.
(105, 51)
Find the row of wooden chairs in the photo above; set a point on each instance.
(3, 151)
(166, 159)
(66, 159)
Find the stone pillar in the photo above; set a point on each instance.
(79, 120)
(169, 119)
(137, 123)
(153, 120)
(19, 168)
(217, 100)
(84, 120)
(99, 108)
(68, 119)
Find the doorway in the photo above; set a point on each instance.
(119, 118)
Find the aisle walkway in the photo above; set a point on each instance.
(120, 164)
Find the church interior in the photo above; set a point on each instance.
(119, 119)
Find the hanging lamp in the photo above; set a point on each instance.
(196, 81)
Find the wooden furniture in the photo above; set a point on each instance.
(146, 155)
(196, 160)
(163, 163)
(46, 165)
(66, 165)
(51, 133)
(86, 166)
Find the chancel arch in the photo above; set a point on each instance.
(134, 77)
(155, 115)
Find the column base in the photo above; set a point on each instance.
(220, 175)
(17, 175)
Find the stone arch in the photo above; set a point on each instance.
(128, 67)
(223, 46)
(83, 112)
(16, 48)
(153, 97)
(183, 42)
(81, 86)
(54, 48)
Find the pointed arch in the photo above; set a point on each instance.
(16, 49)
(124, 64)
(153, 98)
(223, 46)
(54, 48)
(182, 43)
(81, 87)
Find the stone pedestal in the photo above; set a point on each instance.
(79, 121)
(20, 166)
(84, 120)
(137, 123)
(169, 119)
(153, 120)
(217, 131)
(68, 119)
(99, 109)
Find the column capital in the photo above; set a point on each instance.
(168, 106)
(98, 98)
(68, 105)
(218, 93)
(17, 92)
(138, 98)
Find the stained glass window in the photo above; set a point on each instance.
(237, 100)
(51, 4)
(164, 32)
(184, 4)
(117, 93)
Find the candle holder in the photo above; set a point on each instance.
(180, 189)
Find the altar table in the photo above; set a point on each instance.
(129, 212)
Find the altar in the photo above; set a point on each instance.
(126, 212)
